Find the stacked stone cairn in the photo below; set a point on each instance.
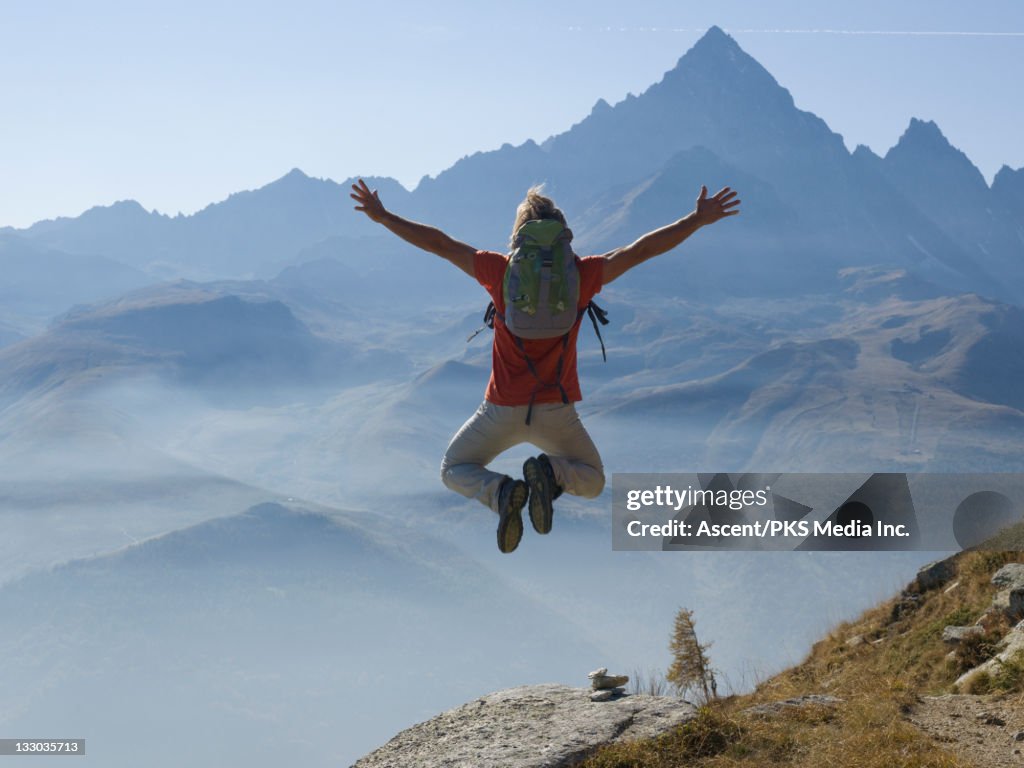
(606, 687)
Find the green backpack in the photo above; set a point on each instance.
(541, 289)
(542, 284)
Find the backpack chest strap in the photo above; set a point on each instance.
(541, 384)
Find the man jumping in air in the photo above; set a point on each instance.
(540, 292)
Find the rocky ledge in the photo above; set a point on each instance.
(533, 726)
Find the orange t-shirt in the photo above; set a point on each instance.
(511, 382)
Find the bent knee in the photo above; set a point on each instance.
(446, 471)
(593, 485)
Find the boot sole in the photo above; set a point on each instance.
(510, 527)
(541, 511)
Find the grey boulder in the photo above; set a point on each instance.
(533, 726)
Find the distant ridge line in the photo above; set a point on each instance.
(884, 32)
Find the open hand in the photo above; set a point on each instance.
(711, 209)
(369, 202)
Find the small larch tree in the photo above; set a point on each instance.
(690, 668)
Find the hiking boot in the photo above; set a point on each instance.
(511, 500)
(544, 489)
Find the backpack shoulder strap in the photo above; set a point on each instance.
(597, 315)
(489, 315)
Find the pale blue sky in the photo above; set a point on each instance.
(179, 104)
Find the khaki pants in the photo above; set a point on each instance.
(555, 428)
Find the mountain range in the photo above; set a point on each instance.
(718, 117)
(270, 620)
(221, 432)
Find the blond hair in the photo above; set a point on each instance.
(535, 206)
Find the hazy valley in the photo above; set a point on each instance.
(221, 433)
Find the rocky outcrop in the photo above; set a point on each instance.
(1011, 645)
(534, 726)
(1007, 603)
(956, 635)
(1009, 580)
(1010, 576)
(935, 574)
(774, 708)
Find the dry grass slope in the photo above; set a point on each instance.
(878, 666)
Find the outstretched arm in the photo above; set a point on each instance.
(420, 235)
(708, 211)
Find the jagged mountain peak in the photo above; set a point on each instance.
(925, 152)
(716, 41)
(128, 205)
(719, 57)
(924, 133)
(294, 176)
(601, 107)
(1008, 186)
(118, 209)
(716, 94)
(1007, 176)
(99, 221)
(296, 179)
(865, 152)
